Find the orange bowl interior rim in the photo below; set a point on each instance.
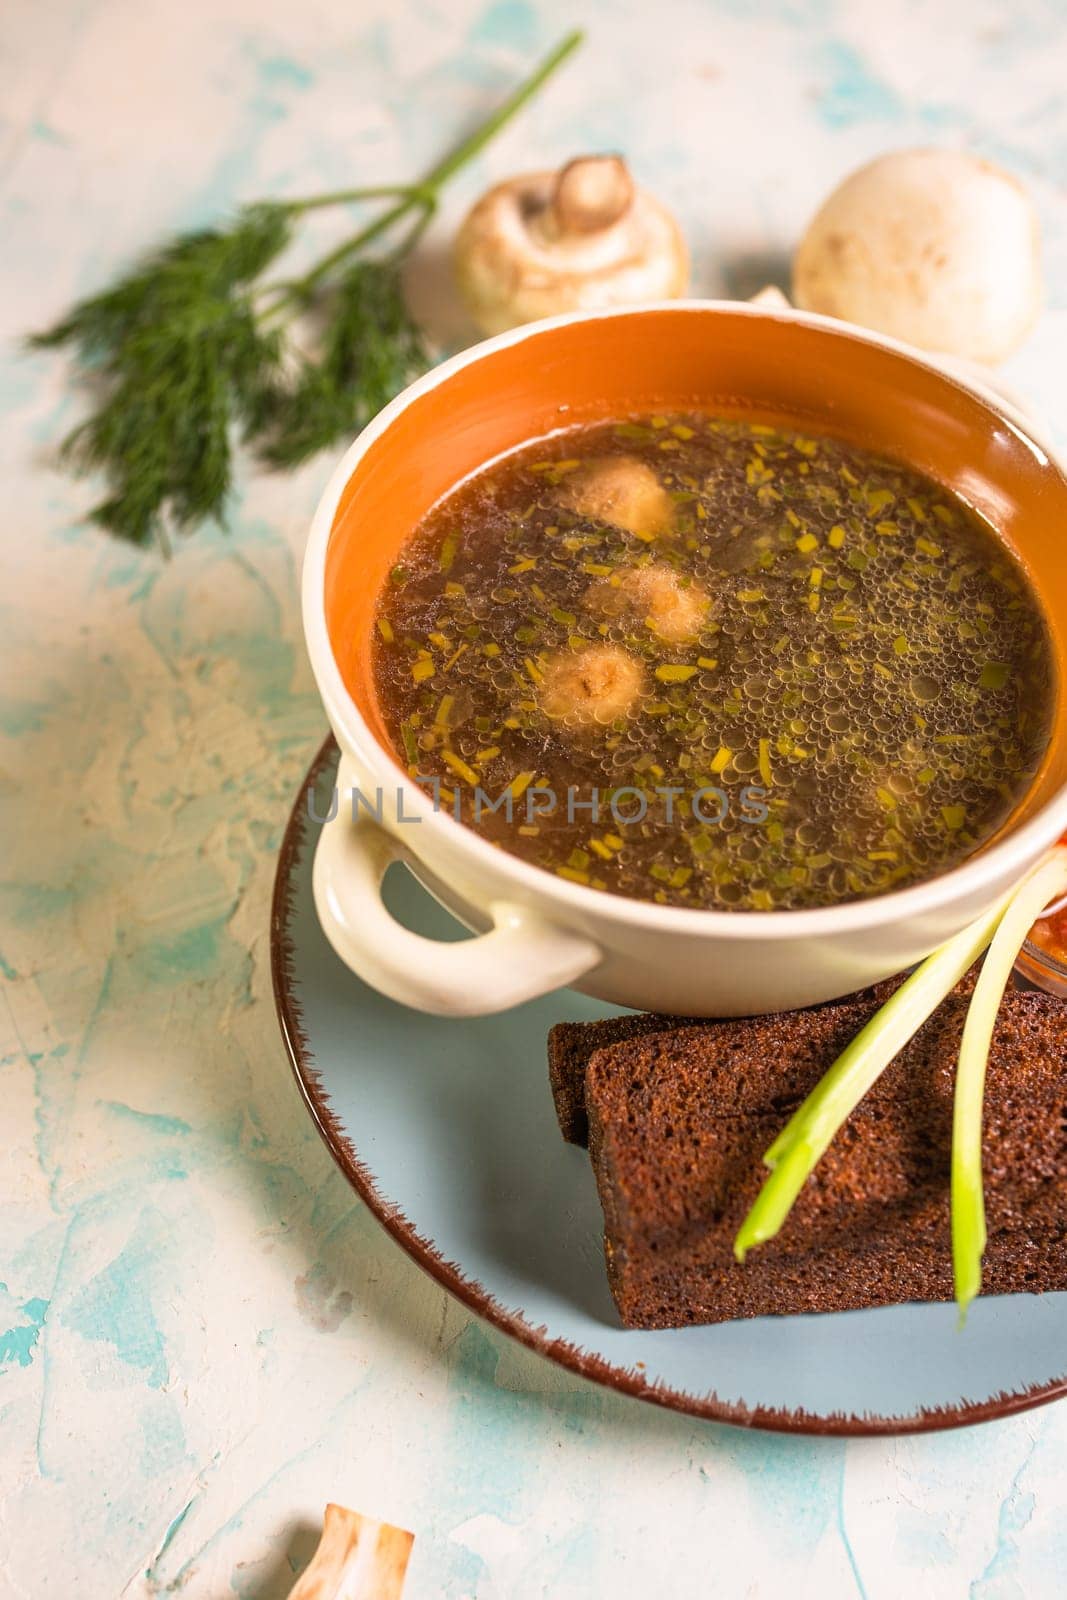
(1014, 852)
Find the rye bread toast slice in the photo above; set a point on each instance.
(679, 1123)
(571, 1044)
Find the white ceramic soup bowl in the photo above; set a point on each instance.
(535, 931)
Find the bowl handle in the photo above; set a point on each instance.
(520, 957)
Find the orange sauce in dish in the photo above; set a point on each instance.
(1050, 933)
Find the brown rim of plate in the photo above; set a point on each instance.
(625, 1380)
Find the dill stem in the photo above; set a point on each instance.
(358, 241)
(340, 197)
(424, 193)
(472, 146)
(415, 232)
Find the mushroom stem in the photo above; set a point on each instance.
(357, 1559)
(591, 193)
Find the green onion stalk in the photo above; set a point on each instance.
(1045, 884)
(798, 1148)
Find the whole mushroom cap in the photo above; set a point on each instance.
(935, 247)
(583, 237)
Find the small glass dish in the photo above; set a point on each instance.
(1041, 969)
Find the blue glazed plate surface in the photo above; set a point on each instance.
(447, 1130)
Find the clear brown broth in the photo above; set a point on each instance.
(839, 660)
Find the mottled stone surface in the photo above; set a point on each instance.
(203, 1337)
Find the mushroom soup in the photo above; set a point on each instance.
(714, 662)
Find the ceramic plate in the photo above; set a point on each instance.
(447, 1131)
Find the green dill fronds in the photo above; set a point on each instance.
(187, 352)
(176, 357)
(207, 264)
(370, 350)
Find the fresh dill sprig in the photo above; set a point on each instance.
(370, 350)
(188, 352)
(176, 355)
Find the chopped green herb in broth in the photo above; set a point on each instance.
(685, 602)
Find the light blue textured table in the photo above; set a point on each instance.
(203, 1337)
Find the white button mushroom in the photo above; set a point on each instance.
(935, 247)
(622, 491)
(546, 242)
(588, 688)
(672, 608)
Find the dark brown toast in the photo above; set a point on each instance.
(679, 1123)
(572, 1044)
